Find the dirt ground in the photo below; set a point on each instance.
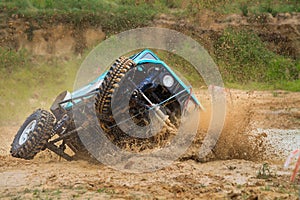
(261, 128)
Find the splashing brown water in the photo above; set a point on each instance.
(238, 155)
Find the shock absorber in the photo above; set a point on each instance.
(61, 125)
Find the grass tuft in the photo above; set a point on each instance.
(244, 58)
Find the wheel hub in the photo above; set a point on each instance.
(29, 128)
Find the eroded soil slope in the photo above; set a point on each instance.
(58, 38)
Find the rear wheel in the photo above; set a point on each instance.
(33, 135)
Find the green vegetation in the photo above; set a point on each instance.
(293, 86)
(118, 15)
(30, 81)
(244, 7)
(244, 59)
(264, 172)
(112, 16)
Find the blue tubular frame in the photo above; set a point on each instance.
(139, 59)
(145, 56)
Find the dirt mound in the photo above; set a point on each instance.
(48, 39)
(61, 39)
(280, 33)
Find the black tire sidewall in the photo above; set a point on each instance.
(40, 135)
(33, 116)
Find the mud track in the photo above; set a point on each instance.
(260, 127)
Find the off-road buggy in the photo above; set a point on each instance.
(152, 92)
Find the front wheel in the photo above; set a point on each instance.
(33, 135)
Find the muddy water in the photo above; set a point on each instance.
(279, 142)
(259, 128)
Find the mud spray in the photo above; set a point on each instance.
(258, 126)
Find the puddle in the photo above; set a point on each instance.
(280, 142)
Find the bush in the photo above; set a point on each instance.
(110, 15)
(243, 58)
(11, 59)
